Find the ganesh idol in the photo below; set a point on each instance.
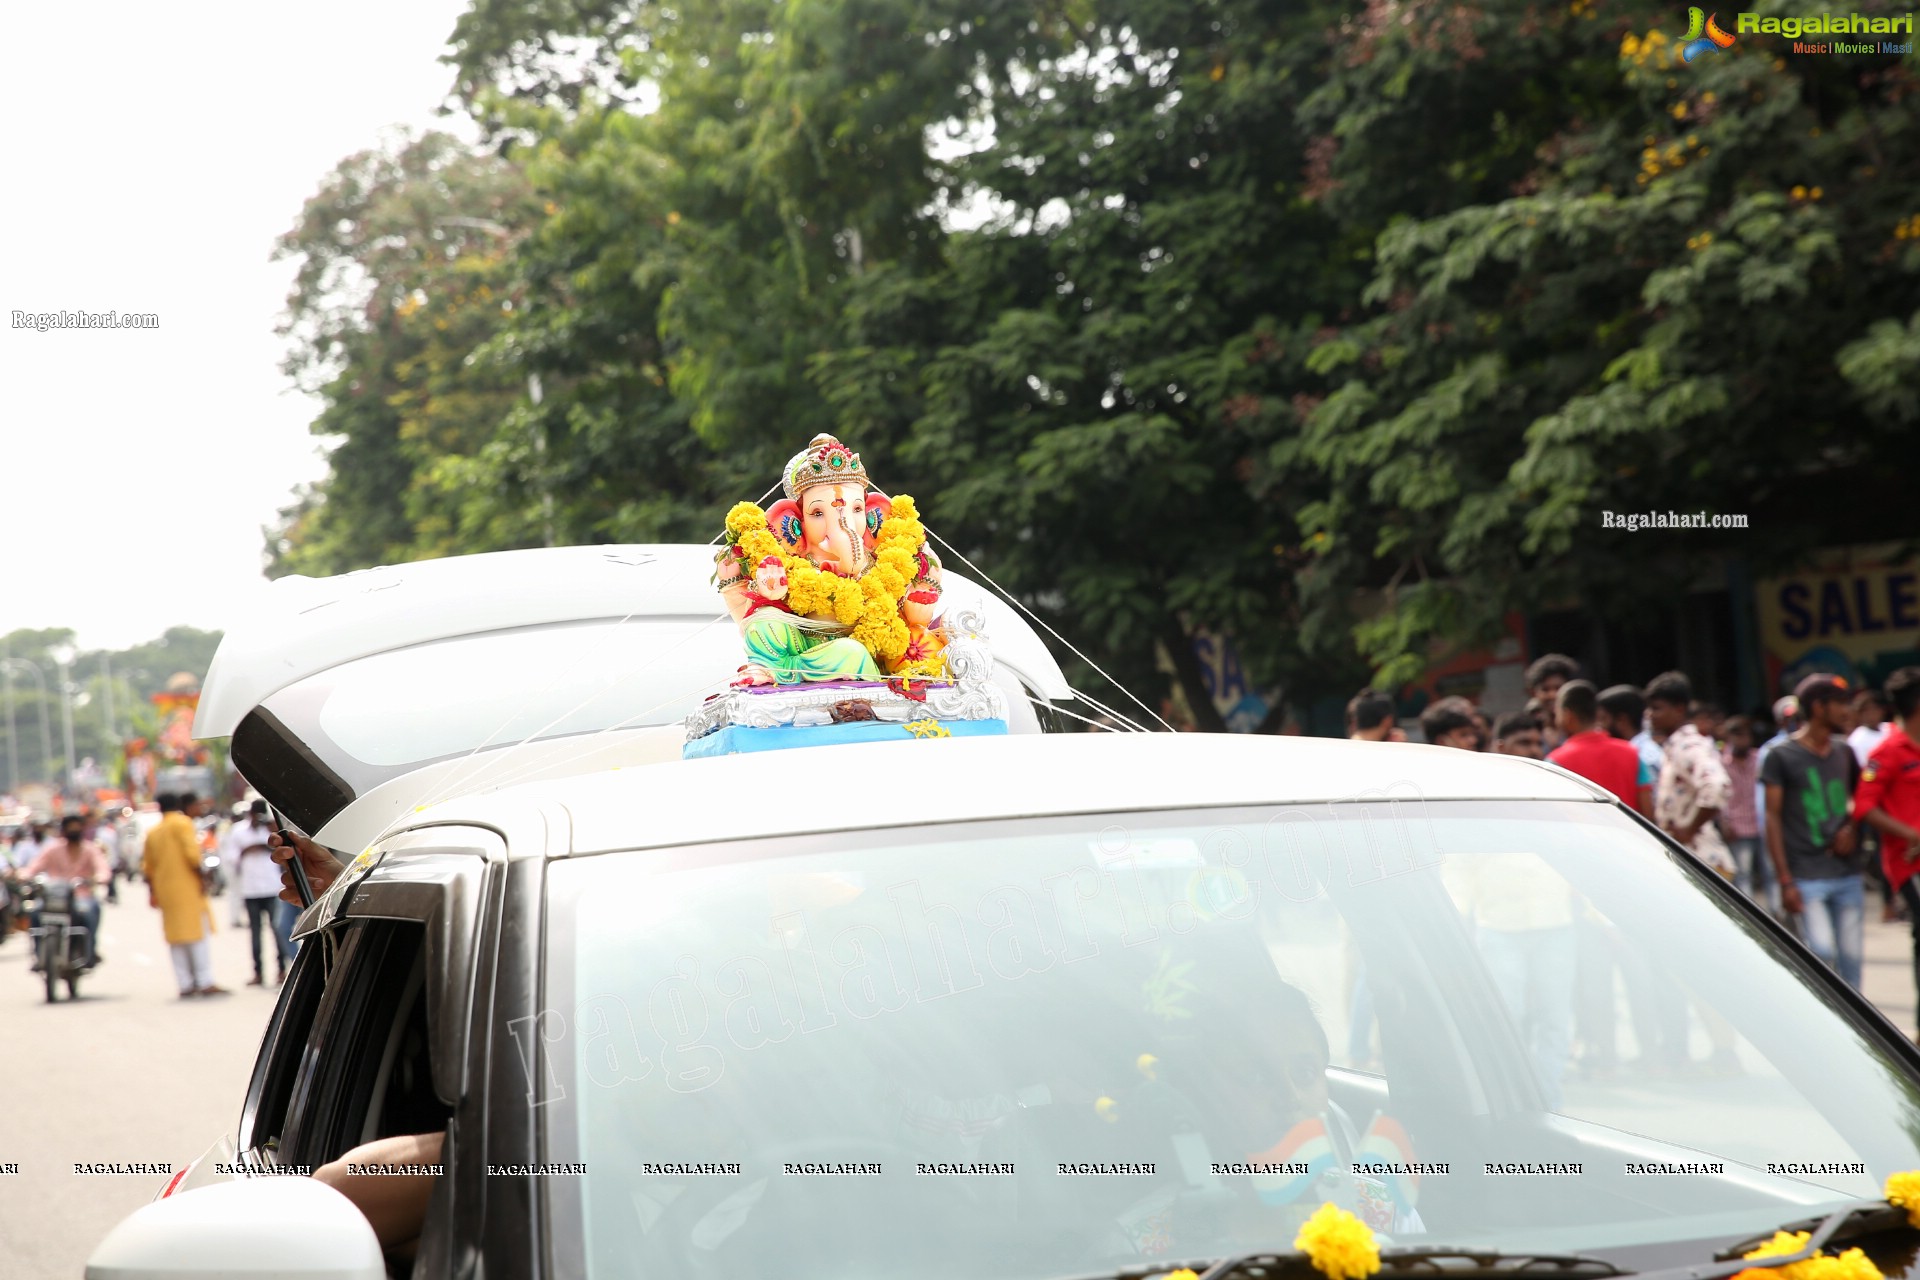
(834, 581)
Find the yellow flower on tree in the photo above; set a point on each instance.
(1338, 1244)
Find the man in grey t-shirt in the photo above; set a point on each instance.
(1809, 781)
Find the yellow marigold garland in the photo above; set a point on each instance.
(1850, 1265)
(870, 604)
(1338, 1244)
(1903, 1191)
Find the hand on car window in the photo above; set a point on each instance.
(322, 867)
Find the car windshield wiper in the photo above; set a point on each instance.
(1443, 1262)
(1861, 1218)
(1455, 1262)
(1446, 1262)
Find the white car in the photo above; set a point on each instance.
(352, 700)
(1046, 1006)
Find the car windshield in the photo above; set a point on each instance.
(1048, 1047)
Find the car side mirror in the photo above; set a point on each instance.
(273, 1226)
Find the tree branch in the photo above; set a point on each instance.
(1186, 670)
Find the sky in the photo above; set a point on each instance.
(158, 152)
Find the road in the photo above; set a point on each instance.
(130, 1073)
(1887, 976)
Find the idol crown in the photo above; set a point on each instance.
(825, 461)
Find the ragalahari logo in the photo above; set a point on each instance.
(1703, 35)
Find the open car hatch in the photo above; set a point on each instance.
(407, 684)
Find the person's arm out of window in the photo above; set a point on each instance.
(394, 1203)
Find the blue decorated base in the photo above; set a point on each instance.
(737, 739)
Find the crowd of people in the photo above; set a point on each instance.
(93, 854)
(1806, 814)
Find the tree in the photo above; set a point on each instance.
(404, 263)
(1332, 330)
(1661, 286)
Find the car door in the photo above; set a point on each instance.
(370, 1037)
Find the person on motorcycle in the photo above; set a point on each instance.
(74, 857)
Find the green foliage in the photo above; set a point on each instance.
(1332, 329)
(124, 679)
(403, 272)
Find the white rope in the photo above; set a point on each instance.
(589, 744)
(981, 574)
(1045, 705)
(1100, 706)
(451, 786)
(494, 760)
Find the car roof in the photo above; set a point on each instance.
(957, 779)
(308, 625)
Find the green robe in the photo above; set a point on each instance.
(797, 656)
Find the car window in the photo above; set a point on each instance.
(1055, 1046)
(263, 1122)
(365, 1071)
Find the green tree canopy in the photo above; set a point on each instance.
(1335, 330)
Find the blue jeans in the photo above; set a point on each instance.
(263, 911)
(1835, 922)
(284, 914)
(1753, 876)
(1534, 972)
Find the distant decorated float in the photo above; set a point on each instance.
(837, 596)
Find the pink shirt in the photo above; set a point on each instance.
(61, 861)
(1740, 816)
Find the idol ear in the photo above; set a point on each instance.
(783, 522)
(879, 507)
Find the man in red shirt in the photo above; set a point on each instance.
(1614, 763)
(1888, 797)
(1596, 755)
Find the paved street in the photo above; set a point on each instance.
(129, 1073)
(1888, 977)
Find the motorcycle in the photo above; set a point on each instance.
(7, 908)
(213, 875)
(59, 939)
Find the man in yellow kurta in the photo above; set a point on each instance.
(171, 861)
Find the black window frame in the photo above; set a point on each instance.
(270, 1090)
(340, 1061)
